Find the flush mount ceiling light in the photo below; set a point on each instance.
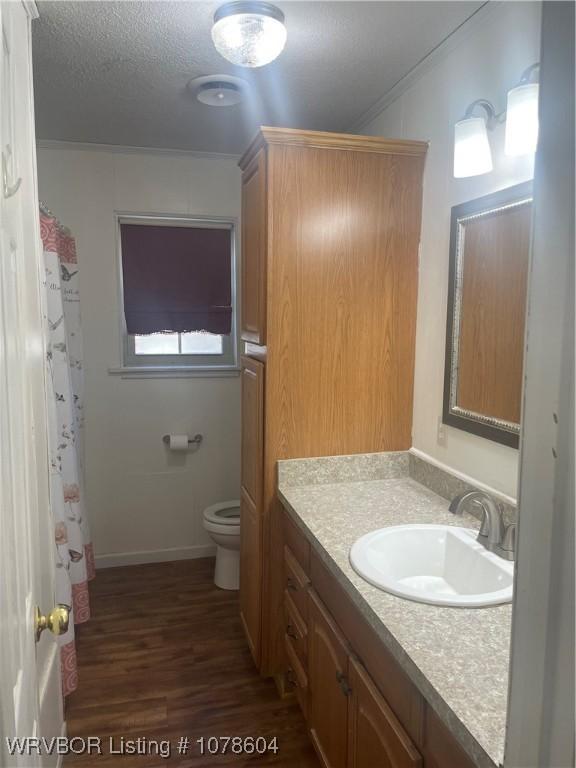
(249, 34)
(522, 115)
(218, 90)
(472, 155)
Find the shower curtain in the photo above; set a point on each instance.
(74, 554)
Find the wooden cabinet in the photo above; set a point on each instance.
(351, 725)
(375, 737)
(252, 427)
(440, 748)
(251, 555)
(327, 687)
(250, 573)
(362, 710)
(253, 326)
(330, 234)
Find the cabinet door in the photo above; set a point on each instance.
(254, 250)
(375, 737)
(441, 750)
(251, 573)
(328, 702)
(252, 428)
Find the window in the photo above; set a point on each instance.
(178, 292)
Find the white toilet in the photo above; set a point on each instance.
(222, 521)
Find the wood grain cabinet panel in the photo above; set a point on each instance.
(252, 428)
(296, 631)
(328, 701)
(296, 583)
(296, 542)
(330, 228)
(253, 323)
(441, 750)
(375, 737)
(402, 696)
(250, 573)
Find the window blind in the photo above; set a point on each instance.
(176, 279)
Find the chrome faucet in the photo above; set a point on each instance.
(493, 534)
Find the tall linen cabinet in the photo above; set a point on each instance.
(330, 237)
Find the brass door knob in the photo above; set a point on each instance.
(56, 621)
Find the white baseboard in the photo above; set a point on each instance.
(116, 559)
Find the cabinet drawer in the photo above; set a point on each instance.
(296, 583)
(295, 630)
(297, 542)
(296, 677)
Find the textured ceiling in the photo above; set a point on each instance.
(116, 72)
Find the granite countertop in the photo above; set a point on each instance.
(457, 657)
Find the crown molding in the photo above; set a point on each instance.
(119, 149)
(325, 140)
(429, 61)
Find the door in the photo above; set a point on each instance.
(375, 737)
(251, 503)
(251, 574)
(30, 694)
(254, 250)
(328, 686)
(252, 446)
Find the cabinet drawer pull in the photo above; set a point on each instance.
(291, 584)
(290, 677)
(291, 632)
(344, 684)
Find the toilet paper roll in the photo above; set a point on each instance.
(178, 443)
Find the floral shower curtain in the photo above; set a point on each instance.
(74, 554)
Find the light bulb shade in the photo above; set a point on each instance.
(249, 34)
(522, 120)
(472, 155)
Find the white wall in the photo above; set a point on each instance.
(487, 60)
(141, 497)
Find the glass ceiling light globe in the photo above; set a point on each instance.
(249, 34)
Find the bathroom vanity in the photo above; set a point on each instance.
(382, 680)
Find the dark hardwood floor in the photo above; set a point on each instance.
(164, 657)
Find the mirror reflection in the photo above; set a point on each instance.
(489, 256)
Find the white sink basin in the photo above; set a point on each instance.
(437, 564)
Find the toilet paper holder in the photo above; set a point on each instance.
(196, 440)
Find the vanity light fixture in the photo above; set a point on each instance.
(522, 115)
(472, 155)
(249, 33)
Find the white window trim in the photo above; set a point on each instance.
(223, 365)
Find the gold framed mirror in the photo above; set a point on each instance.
(488, 278)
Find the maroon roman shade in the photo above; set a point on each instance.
(176, 279)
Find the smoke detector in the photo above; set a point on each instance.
(218, 90)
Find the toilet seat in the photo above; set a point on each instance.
(225, 513)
